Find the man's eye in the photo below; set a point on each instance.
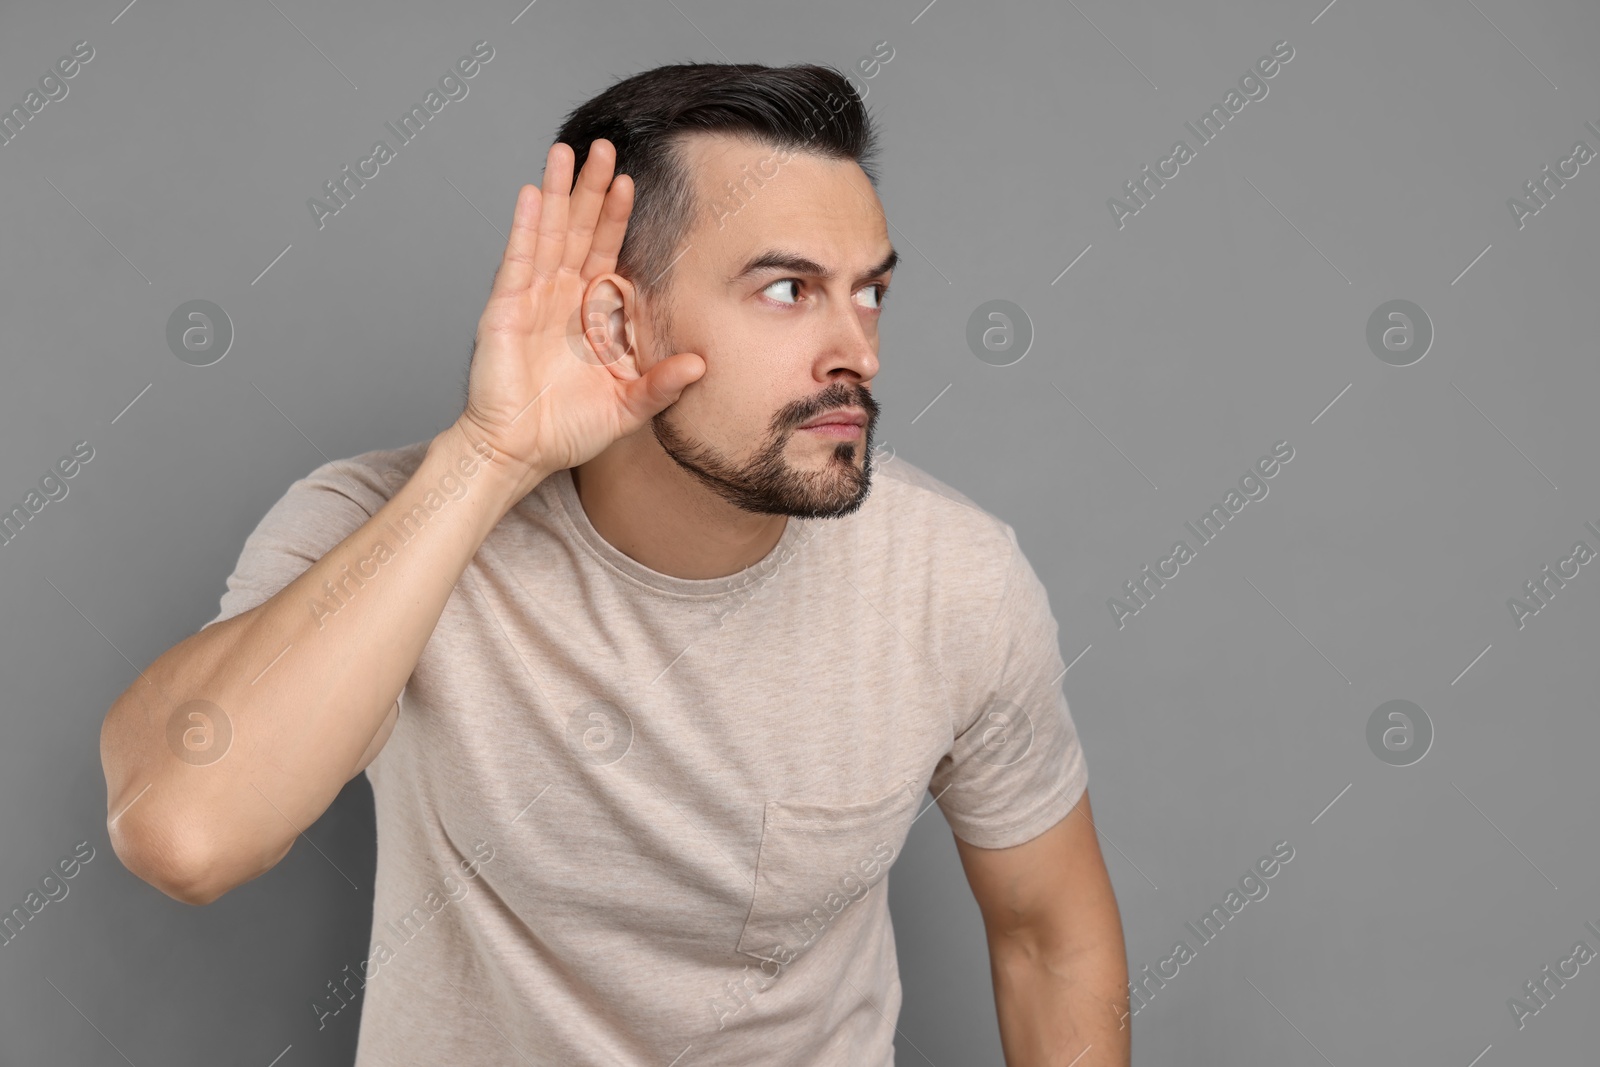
(777, 284)
(879, 291)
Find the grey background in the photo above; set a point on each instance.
(1228, 315)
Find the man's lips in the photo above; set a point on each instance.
(851, 417)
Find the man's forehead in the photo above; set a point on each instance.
(761, 203)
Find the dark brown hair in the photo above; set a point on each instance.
(648, 116)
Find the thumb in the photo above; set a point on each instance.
(663, 383)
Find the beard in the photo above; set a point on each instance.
(768, 483)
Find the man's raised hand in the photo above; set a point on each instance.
(536, 392)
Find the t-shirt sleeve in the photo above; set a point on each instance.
(314, 514)
(1015, 768)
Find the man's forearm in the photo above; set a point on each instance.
(303, 682)
(1060, 1010)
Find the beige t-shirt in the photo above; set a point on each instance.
(626, 818)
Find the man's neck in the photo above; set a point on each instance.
(655, 512)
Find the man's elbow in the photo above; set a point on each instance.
(178, 864)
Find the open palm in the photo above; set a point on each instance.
(537, 392)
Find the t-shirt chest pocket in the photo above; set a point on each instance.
(815, 862)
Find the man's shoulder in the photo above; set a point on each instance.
(911, 491)
(940, 557)
(914, 504)
(370, 478)
(311, 517)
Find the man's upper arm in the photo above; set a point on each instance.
(1015, 767)
(1054, 886)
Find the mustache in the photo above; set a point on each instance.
(834, 397)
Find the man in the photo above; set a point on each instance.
(647, 673)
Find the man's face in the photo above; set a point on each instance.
(779, 288)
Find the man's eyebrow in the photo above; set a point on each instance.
(778, 259)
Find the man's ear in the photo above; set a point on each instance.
(609, 309)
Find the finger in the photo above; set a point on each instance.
(587, 199)
(516, 266)
(553, 220)
(661, 386)
(612, 227)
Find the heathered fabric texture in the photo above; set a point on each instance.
(675, 801)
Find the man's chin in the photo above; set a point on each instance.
(850, 507)
(846, 494)
(792, 477)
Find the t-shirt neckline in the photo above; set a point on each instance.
(577, 520)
